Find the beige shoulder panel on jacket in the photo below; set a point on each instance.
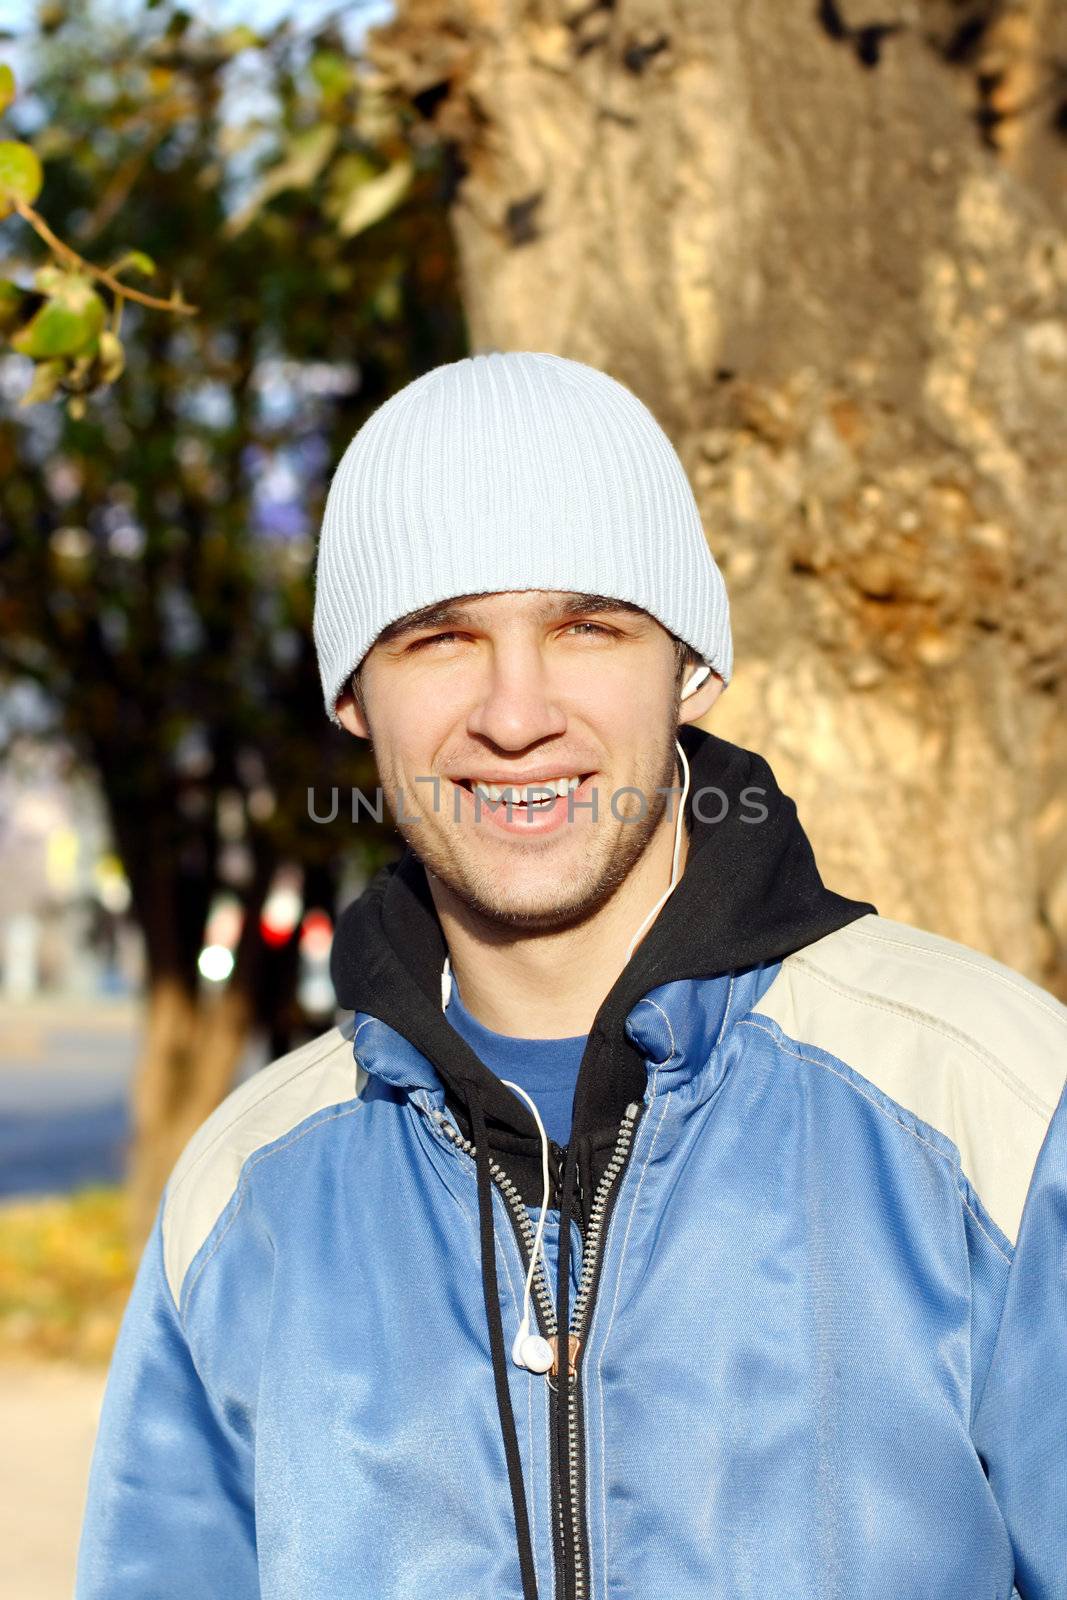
(321, 1073)
(960, 1040)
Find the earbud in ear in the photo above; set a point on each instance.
(695, 680)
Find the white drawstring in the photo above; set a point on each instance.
(528, 1349)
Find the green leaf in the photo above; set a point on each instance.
(241, 37)
(21, 175)
(332, 72)
(371, 201)
(135, 261)
(77, 292)
(67, 324)
(7, 86)
(54, 331)
(45, 382)
(309, 152)
(347, 173)
(10, 304)
(50, 279)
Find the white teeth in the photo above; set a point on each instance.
(537, 791)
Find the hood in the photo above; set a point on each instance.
(750, 893)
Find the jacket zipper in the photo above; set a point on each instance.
(546, 1311)
(583, 1300)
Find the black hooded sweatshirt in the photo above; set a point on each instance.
(750, 893)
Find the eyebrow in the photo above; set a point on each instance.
(455, 611)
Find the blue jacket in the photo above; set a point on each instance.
(814, 1225)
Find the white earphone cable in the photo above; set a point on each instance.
(528, 1349)
(665, 896)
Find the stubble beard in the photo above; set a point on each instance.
(556, 905)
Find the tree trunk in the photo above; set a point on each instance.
(825, 243)
(192, 1041)
(190, 1053)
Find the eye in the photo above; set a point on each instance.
(596, 627)
(431, 638)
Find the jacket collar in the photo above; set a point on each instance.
(750, 894)
(675, 1029)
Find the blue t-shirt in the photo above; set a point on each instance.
(546, 1068)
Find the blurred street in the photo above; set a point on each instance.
(65, 1070)
(65, 1066)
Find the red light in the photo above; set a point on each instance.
(316, 935)
(281, 913)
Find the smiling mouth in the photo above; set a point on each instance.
(535, 795)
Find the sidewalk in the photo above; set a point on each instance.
(50, 1413)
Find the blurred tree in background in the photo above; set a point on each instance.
(827, 244)
(156, 552)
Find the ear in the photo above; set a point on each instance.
(351, 717)
(701, 701)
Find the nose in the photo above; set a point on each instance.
(517, 707)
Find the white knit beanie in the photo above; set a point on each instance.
(511, 470)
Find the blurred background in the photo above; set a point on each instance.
(825, 243)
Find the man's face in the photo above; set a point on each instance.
(525, 687)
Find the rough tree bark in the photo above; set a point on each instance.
(825, 243)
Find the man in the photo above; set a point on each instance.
(792, 1176)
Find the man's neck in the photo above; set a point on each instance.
(551, 985)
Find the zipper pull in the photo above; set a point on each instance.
(573, 1346)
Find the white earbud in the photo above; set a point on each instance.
(694, 682)
(532, 1352)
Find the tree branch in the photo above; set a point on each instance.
(117, 287)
